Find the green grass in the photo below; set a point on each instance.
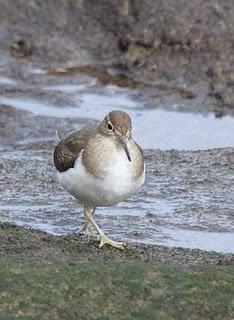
(114, 290)
(47, 277)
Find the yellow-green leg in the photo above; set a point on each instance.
(104, 239)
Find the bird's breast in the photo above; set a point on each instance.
(106, 159)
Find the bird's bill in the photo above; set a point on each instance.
(123, 140)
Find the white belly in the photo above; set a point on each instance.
(117, 185)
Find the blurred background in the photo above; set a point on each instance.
(170, 65)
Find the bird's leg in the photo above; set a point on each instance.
(87, 227)
(104, 238)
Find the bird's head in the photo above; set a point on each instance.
(118, 125)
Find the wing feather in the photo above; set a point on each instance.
(69, 148)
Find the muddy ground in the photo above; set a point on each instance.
(20, 243)
(183, 45)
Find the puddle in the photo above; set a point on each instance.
(42, 217)
(199, 239)
(192, 239)
(7, 81)
(37, 71)
(153, 129)
(71, 88)
(34, 140)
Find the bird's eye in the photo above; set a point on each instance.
(110, 127)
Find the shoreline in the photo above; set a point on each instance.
(25, 243)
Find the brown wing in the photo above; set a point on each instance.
(69, 148)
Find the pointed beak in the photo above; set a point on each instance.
(123, 140)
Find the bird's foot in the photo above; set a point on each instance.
(112, 243)
(87, 229)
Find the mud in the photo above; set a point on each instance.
(182, 47)
(20, 243)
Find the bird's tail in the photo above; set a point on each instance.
(60, 134)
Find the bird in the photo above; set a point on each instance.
(101, 167)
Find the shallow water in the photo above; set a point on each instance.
(175, 207)
(153, 129)
(31, 216)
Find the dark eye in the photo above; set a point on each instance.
(109, 126)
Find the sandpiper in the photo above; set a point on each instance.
(101, 167)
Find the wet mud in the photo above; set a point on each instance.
(33, 245)
(186, 50)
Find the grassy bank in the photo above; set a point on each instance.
(46, 277)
